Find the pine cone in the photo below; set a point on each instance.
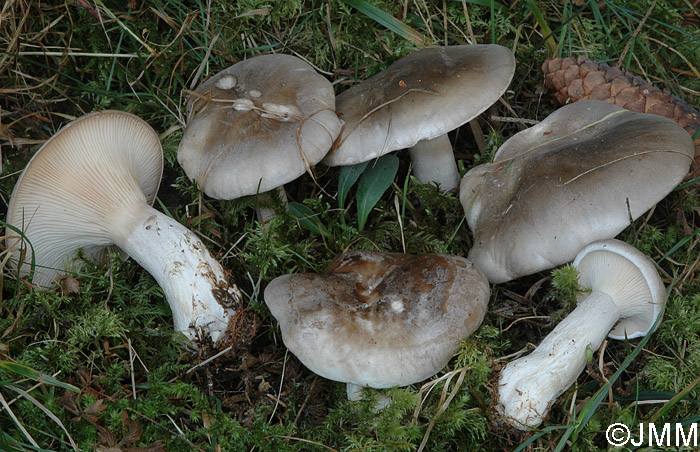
(581, 79)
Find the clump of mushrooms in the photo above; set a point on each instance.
(91, 186)
(625, 290)
(378, 319)
(416, 101)
(583, 174)
(257, 125)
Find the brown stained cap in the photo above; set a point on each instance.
(576, 177)
(257, 125)
(422, 96)
(377, 319)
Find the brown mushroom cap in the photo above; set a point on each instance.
(577, 177)
(422, 96)
(257, 125)
(379, 320)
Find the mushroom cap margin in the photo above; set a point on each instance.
(240, 142)
(355, 327)
(421, 96)
(630, 278)
(70, 194)
(569, 183)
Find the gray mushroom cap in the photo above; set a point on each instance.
(257, 125)
(422, 96)
(580, 175)
(377, 319)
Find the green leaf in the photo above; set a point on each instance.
(348, 177)
(308, 219)
(387, 20)
(28, 372)
(374, 181)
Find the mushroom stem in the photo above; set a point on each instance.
(529, 385)
(434, 162)
(355, 395)
(195, 284)
(266, 213)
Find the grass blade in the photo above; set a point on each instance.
(19, 425)
(691, 182)
(24, 241)
(46, 411)
(536, 436)
(677, 398)
(488, 3)
(544, 26)
(28, 372)
(9, 444)
(387, 20)
(678, 245)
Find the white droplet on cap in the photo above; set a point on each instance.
(226, 82)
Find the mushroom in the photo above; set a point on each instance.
(416, 101)
(379, 319)
(583, 174)
(625, 288)
(91, 186)
(257, 125)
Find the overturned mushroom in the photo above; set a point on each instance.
(416, 101)
(625, 288)
(379, 320)
(257, 125)
(582, 174)
(91, 186)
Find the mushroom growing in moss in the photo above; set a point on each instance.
(583, 174)
(258, 125)
(627, 296)
(416, 101)
(378, 319)
(91, 186)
